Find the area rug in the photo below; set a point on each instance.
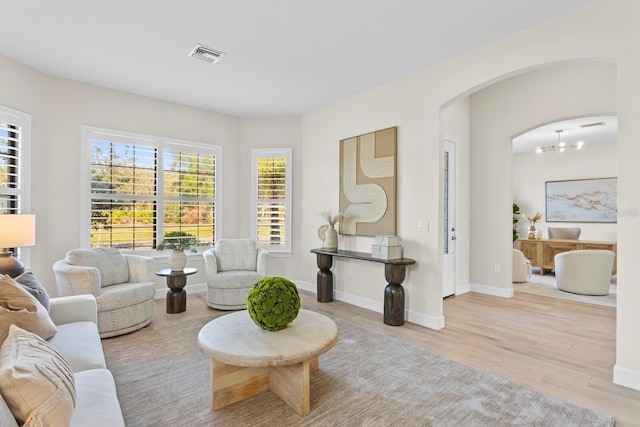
(367, 379)
(546, 286)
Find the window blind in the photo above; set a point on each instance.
(143, 187)
(272, 199)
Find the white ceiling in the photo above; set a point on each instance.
(284, 57)
(572, 132)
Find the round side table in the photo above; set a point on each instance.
(176, 281)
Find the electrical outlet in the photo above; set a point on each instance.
(423, 225)
(496, 268)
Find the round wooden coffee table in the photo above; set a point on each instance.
(247, 360)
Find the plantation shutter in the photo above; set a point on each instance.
(272, 201)
(13, 158)
(123, 188)
(142, 187)
(189, 192)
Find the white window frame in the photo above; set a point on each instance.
(256, 153)
(23, 120)
(90, 132)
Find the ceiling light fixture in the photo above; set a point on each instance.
(206, 54)
(560, 146)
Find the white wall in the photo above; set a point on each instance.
(59, 107)
(285, 132)
(599, 30)
(531, 171)
(499, 113)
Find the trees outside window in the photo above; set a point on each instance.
(271, 202)
(141, 187)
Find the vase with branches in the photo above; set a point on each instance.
(328, 231)
(532, 223)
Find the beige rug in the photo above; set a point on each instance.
(367, 379)
(546, 286)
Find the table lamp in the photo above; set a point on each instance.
(15, 231)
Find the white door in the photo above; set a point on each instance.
(449, 258)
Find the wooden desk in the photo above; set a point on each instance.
(542, 252)
(394, 272)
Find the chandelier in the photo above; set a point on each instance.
(560, 146)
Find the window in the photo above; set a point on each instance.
(15, 131)
(142, 187)
(271, 204)
(15, 159)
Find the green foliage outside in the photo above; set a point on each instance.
(126, 174)
(516, 218)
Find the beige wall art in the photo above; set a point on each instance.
(368, 183)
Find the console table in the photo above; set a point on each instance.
(542, 252)
(394, 272)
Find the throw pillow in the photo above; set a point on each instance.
(31, 284)
(19, 307)
(35, 381)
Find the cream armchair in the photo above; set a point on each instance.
(233, 266)
(521, 267)
(586, 272)
(123, 285)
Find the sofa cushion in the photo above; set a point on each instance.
(111, 264)
(125, 295)
(20, 308)
(35, 380)
(236, 254)
(97, 403)
(79, 343)
(31, 284)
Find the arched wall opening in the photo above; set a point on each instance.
(497, 112)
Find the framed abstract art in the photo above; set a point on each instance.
(582, 200)
(368, 183)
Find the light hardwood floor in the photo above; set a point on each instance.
(563, 348)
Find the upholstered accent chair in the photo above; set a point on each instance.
(233, 266)
(571, 233)
(123, 285)
(521, 267)
(586, 272)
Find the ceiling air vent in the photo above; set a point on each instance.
(206, 54)
(589, 125)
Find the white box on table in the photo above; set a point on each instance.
(388, 241)
(386, 252)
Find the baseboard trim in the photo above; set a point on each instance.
(431, 322)
(463, 288)
(492, 290)
(626, 377)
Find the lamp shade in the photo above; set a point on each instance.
(17, 230)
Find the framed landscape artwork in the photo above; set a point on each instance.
(368, 183)
(584, 200)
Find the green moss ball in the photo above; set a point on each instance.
(273, 303)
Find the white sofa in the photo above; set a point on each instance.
(78, 341)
